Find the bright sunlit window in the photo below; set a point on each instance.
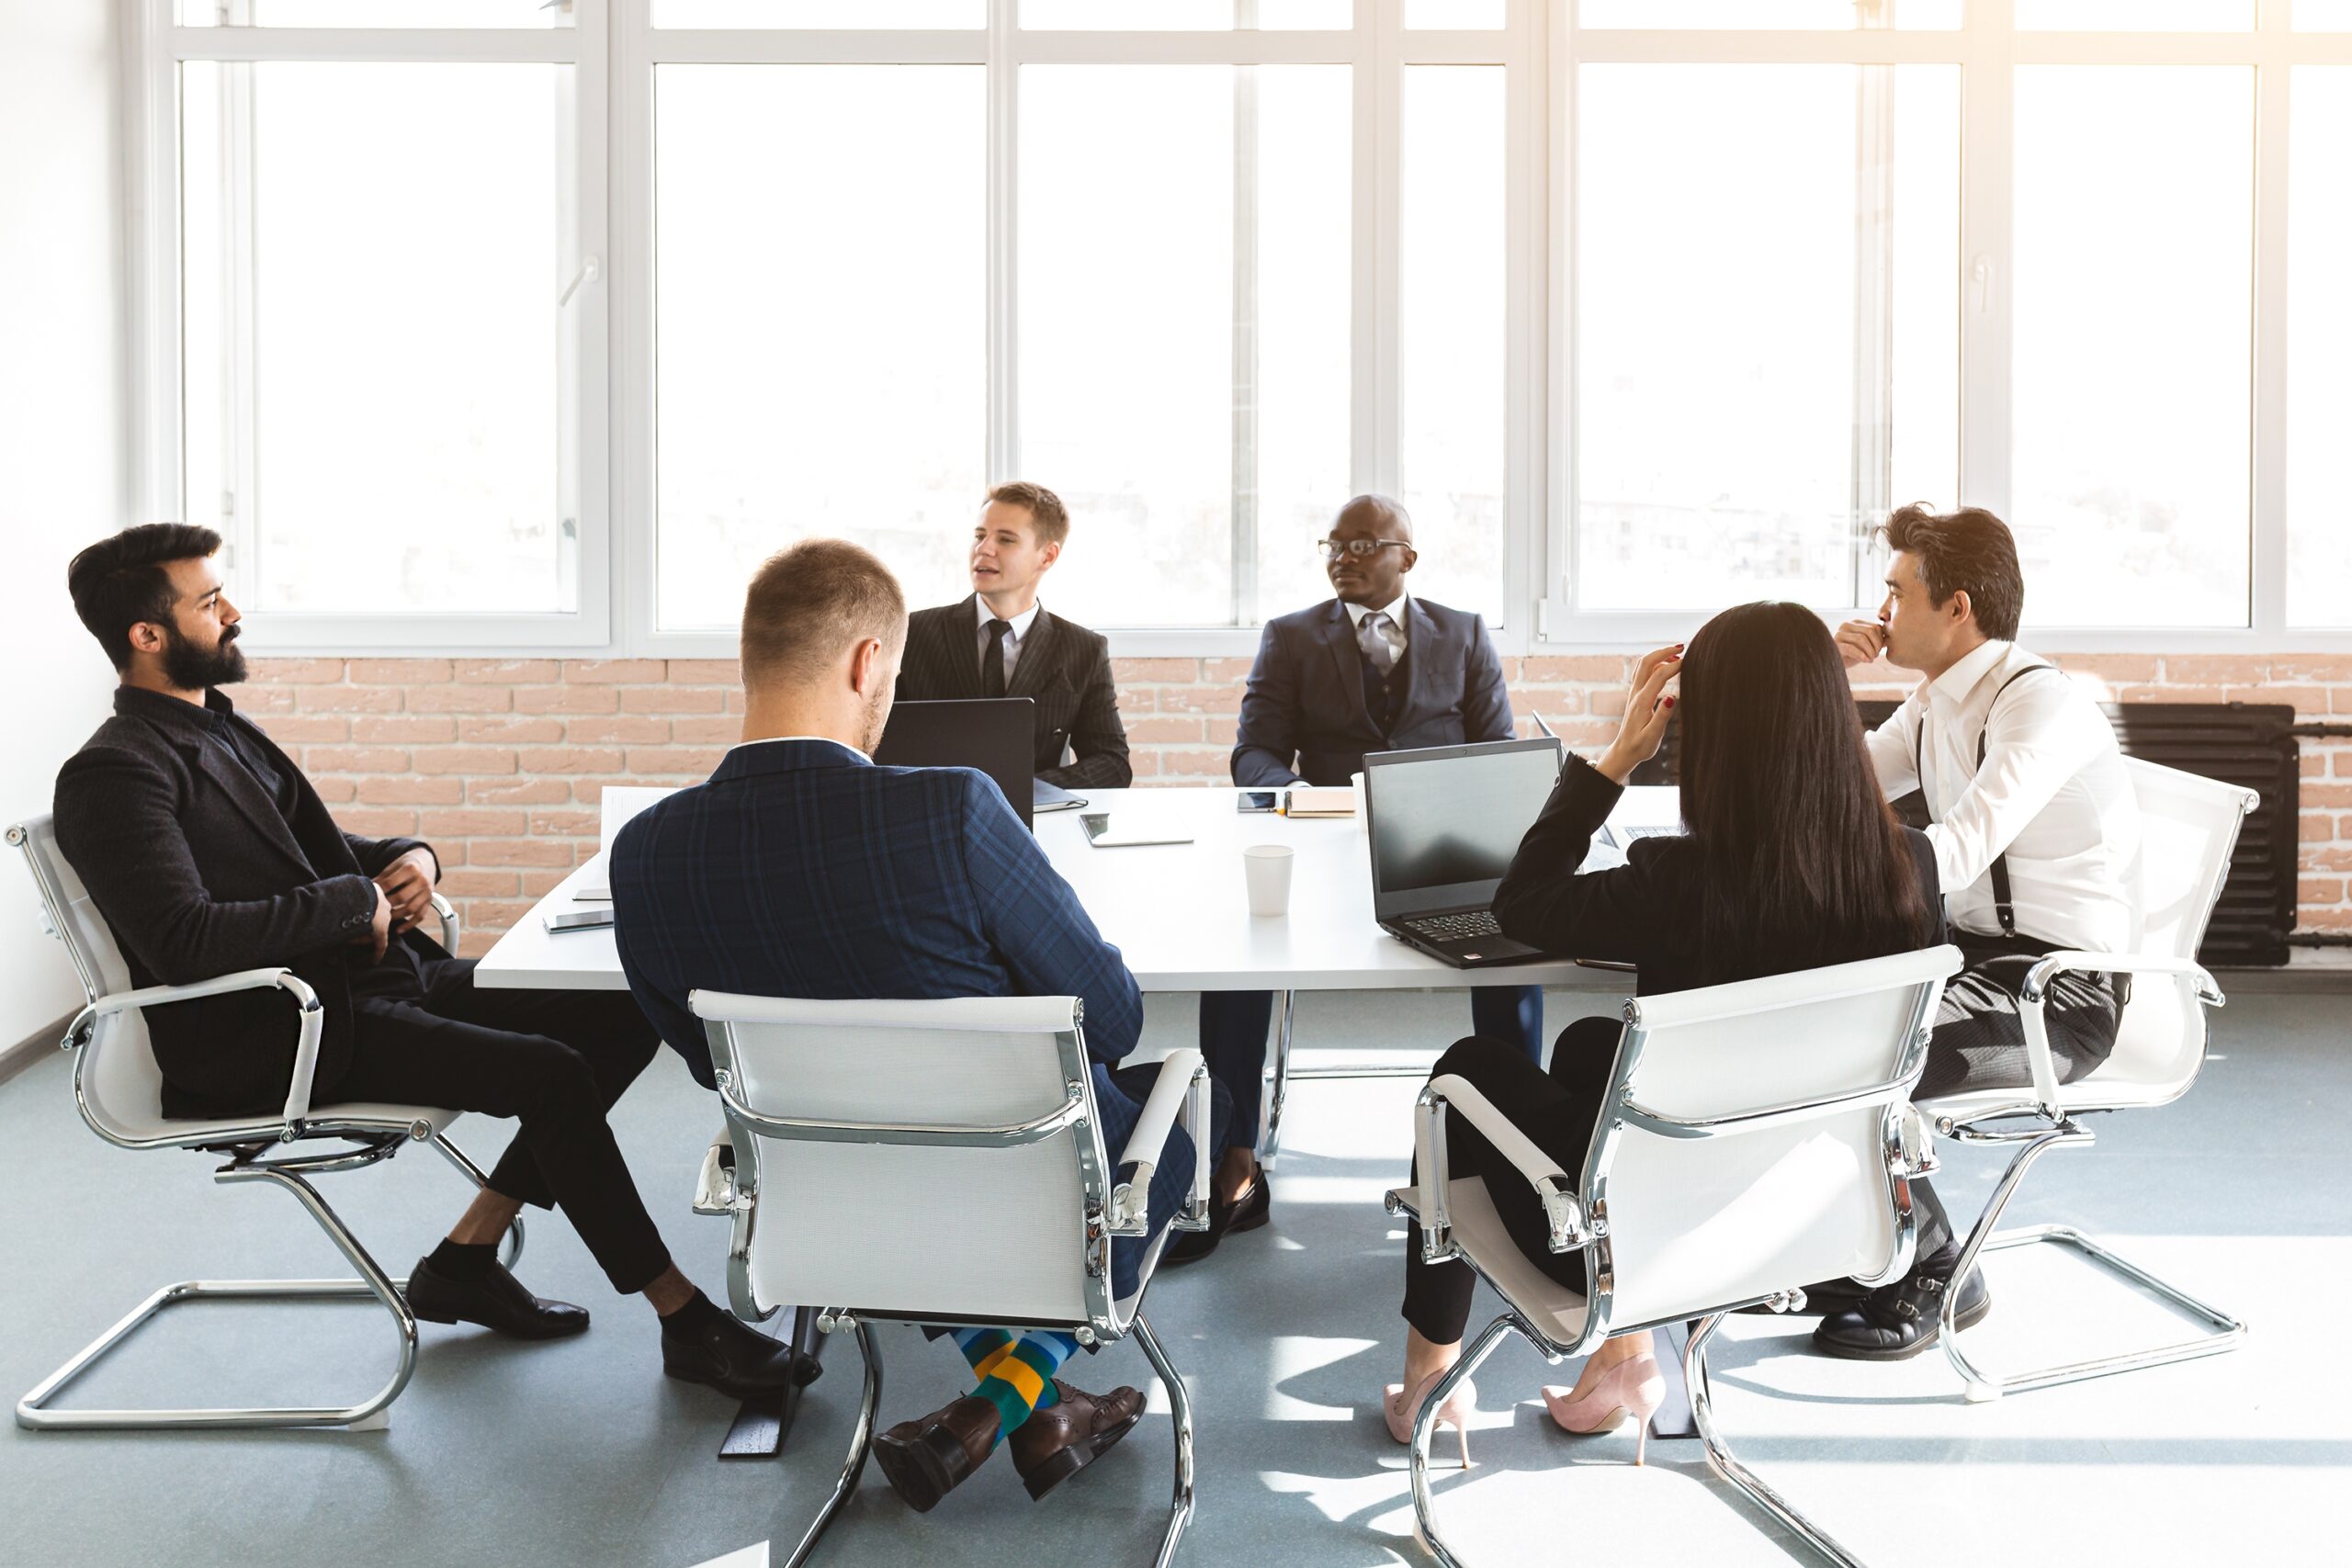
(495, 323)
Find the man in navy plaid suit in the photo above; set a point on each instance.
(801, 869)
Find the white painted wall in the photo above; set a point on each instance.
(63, 428)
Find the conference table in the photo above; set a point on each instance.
(1178, 912)
(1180, 915)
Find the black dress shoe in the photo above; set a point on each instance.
(733, 1358)
(496, 1301)
(924, 1460)
(1252, 1209)
(1896, 1322)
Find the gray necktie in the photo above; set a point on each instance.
(1376, 646)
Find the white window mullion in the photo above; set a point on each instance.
(1555, 552)
(2272, 150)
(151, 102)
(1986, 249)
(235, 511)
(1003, 242)
(1525, 365)
(630, 288)
(1380, 93)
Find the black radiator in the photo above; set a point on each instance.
(2240, 743)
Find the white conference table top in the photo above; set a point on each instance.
(1178, 912)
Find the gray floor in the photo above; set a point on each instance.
(582, 1453)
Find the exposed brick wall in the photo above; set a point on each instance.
(500, 762)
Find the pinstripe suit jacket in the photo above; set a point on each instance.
(801, 869)
(1063, 667)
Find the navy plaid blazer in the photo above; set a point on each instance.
(801, 869)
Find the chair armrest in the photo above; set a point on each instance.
(2037, 980)
(2034, 995)
(450, 927)
(1562, 1209)
(1182, 1079)
(306, 1049)
(714, 1190)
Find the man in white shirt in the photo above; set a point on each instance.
(2036, 831)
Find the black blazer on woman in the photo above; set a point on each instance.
(1643, 913)
(1063, 667)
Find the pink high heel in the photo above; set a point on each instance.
(1632, 1390)
(1454, 1413)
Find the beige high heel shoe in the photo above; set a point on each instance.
(1630, 1390)
(1454, 1413)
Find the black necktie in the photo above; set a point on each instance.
(992, 662)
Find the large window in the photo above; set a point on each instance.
(488, 323)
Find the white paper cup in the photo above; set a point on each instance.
(1266, 868)
(1363, 817)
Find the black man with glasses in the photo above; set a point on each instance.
(1374, 668)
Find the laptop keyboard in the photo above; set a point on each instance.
(1456, 928)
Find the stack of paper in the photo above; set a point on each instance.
(1312, 800)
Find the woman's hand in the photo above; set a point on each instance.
(1647, 707)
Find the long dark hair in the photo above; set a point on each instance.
(1804, 863)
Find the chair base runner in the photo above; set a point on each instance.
(1694, 1372)
(1981, 1387)
(369, 1414)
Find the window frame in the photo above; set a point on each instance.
(1988, 49)
(615, 50)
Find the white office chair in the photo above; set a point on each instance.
(1755, 1137)
(938, 1162)
(2189, 830)
(120, 1094)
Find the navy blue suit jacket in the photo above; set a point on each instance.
(1305, 715)
(801, 869)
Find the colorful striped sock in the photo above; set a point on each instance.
(1016, 1376)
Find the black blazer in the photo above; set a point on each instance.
(1640, 913)
(198, 875)
(1305, 715)
(1063, 667)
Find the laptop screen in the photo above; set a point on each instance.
(1445, 822)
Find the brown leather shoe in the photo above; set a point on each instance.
(924, 1460)
(1057, 1442)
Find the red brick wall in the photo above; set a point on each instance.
(500, 762)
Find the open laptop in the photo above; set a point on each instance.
(1444, 822)
(995, 735)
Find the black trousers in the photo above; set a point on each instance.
(1979, 1042)
(1558, 1111)
(554, 1060)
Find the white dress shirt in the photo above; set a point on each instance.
(1393, 634)
(2052, 794)
(1021, 625)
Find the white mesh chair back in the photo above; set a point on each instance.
(121, 1089)
(1749, 1142)
(914, 1229)
(2189, 830)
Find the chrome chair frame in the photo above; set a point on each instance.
(246, 1144)
(1107, 1211)
(1579, 1223)
(2044, 1122)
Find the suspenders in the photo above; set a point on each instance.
(2002, 908)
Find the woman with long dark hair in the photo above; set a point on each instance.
(1790, 858)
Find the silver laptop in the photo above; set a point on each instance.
(1444, 822)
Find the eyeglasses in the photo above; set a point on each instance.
(1332, 549)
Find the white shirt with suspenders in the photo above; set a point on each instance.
(2024, 784)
